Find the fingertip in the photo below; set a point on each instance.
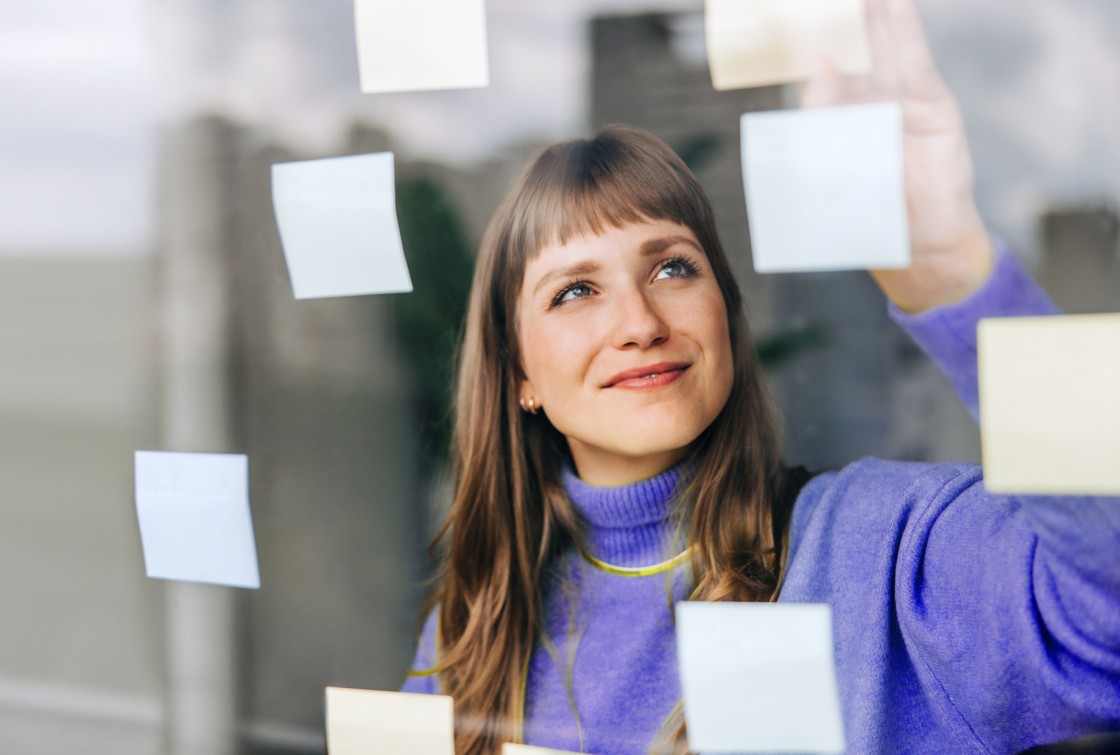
(823, 67)
(822, 86)
(902, 10)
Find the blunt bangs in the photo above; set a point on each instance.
(621, 176)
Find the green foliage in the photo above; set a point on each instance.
(699, 150)
(427, 322)
(778, 348)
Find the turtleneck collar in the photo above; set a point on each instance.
(629, 525)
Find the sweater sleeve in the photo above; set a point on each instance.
(1013, 604)
(1014, 601)
(964, 621)
(419, 679)
(948, 334)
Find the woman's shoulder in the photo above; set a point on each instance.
(859, 522)
(871, 474)
(879, 491)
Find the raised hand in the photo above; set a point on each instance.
(951, 252)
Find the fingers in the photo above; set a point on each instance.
(823, 88)
(904, 69)
(912, 56)
(880, 37)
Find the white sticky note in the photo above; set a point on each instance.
(515, 749)
(759, 677)
(194, 517)
(338, 226)
(362, 721)
(825, 188)
(1050, 404)
(413, 45)
(757, 42)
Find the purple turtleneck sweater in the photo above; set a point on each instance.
(963, 622)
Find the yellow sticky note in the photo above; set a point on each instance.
(411, 45)
(361, 721)
(758, 42)
(1050, 404)
(512, 749)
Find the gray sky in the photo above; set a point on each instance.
(76, 133)
(85, 85)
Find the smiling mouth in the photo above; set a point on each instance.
(645, 378)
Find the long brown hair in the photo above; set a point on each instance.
(510, 517)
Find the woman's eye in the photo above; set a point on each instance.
(675, 269)
(572, 292)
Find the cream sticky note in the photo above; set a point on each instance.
(1050, 404)
(194, 517)
(338, 225)
(759, 677)
(362, 721)
(757, 42)
(825, 188)
(408, 45)
(514, 749)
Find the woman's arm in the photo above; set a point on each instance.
(948, 333)
(964, 622)
(1004, 612)
(1012, 603)
(1011, 606)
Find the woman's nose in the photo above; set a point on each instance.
(639, 324)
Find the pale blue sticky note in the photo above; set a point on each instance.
(408, 45)
(338, 226)
(759, 677)
(194, 516)
(825, 188)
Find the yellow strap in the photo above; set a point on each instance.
(413, 673)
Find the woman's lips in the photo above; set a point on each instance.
(650, 377)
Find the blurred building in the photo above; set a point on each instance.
(313, 391)
(319, 402)
(80, 661)
(1081, 257)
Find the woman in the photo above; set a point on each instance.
(615, 452)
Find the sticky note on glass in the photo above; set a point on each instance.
(515, 749)
(338, 226)
(825, 188)
(408, 45)
(759, 677)
(361, 721)
(757, 42)
(194, 517)
(1050, 404)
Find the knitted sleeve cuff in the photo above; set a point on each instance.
(948, 333)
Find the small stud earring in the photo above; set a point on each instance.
(530, 405)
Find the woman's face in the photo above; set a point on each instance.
(625, 345)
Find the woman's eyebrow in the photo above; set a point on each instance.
(660, 244)
(578, 270)
(648, 248)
